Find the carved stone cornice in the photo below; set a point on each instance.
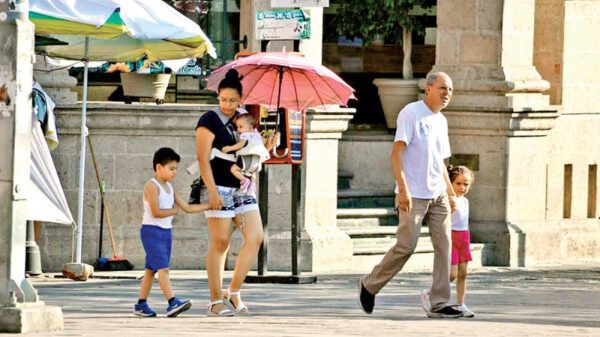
(328, 123)
(501, 123)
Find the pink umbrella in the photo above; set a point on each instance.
(285, 80)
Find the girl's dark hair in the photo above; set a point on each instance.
(455, 171)
(232, 80)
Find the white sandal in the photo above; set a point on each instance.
(241, 309)
(223, 313)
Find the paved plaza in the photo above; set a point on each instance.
(548, 301)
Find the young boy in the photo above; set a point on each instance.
(251, 153)
(160, 200)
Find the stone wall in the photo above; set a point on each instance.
(366, 154)
(125, 138)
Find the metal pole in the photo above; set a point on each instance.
(82, 154)
(263, 204)
(296, 215)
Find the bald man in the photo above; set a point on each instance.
(422, 193)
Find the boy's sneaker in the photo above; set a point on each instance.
(445, 312)
(366, 300)
(244, 184)
(465, 310)
(425, 302)
(178, 306)
(143, 310)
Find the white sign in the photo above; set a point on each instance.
(299, 3)
(282, 24)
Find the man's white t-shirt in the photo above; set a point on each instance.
(426, 136)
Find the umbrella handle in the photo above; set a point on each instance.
(277, 155)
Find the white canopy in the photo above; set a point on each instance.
(46, 201)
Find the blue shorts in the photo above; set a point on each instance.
(157, 245)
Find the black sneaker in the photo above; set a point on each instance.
(445, 312)
(365, 299)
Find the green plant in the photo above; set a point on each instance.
(391, 20)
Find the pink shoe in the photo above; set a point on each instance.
(244, 184)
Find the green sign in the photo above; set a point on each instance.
(285, 24)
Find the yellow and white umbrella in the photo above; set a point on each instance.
(118, 30)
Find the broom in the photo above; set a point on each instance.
(102, 263)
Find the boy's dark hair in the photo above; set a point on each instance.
(232, 80)
(163, 156)
(248, 118)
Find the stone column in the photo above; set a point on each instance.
(329, 248)
(20, 308)
(498, 119)
(486, 46)
(312, 48)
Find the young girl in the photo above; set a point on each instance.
(461, 178)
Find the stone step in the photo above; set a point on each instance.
(381, 231)
(365, 199)
(366, 217)
(344, 179)
(419, 261)
(355, 213)
(378, 246)
(367, 222)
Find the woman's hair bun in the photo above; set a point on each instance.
(233, 74)
(232, 80)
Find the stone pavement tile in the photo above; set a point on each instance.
(507, 302)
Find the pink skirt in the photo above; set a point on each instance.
(461, 247)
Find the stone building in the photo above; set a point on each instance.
(522, 116)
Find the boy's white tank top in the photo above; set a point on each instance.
(165, 201)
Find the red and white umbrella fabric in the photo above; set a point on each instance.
(286, 80)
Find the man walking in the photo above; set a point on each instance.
(422, 188)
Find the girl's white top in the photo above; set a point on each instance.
(460, 217)
(165, 201)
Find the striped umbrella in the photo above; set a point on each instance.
(114, 30)
(118, 30)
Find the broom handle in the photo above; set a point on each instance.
(106, 213)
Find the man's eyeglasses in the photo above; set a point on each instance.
(230, 101)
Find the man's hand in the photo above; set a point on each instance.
(225, 149)
(404, 201)
(452, 203)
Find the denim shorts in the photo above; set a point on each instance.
(233, 204)
(157, 243)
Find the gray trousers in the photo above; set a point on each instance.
(436, 213)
